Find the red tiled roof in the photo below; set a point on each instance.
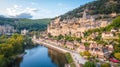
(114, 60)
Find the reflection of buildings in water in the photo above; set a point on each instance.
(57, 57)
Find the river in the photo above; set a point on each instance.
(41, 56)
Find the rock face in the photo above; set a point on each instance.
(74, 26)
(7, 30)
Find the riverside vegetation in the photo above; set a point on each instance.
(11, 47)
(69, 59)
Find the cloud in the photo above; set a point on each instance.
(24, 15)
(21, 12)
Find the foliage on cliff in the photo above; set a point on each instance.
(95, 7)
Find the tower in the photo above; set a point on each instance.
(48, 28)
(84, 15)
(34, 37)
(92, 18)
(57, 20)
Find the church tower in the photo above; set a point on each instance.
(34, 36)
(84, 14)
(92, 19)
(48, 28)
(57, 20)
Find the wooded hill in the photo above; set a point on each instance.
(96, 7)
(29, 24)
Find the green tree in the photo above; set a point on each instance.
(11, 46)
(49, 35)
(117, 48)
(69, 38)
(89, 64)
(115, 24)
(6, 49)
(17, 41)
(86, 44)
(69, 58)
(105, 65)
(2, 61)
(97, 38)
(86, 53)
(117, 55)
(78, 39)
(60, 37)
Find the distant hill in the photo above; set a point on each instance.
(29, 24)
(94, 8)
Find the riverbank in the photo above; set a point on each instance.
(50, 46)
(41, 56)
(76, 57)
(69, 56)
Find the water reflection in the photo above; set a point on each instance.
(18, 61)
(57, 57)
(41, 56)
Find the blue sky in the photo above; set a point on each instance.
(38, 9)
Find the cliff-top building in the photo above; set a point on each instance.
(75, 26)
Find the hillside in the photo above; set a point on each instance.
(96, 7)
(19, 24)
(114, 25)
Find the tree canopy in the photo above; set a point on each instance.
(29, 24)
(89, 64)
(11, 46)
(105, 65)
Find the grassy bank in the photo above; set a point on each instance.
(69, 59)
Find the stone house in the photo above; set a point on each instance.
(93, 35)
(107, 34)
(83, 40)
(61, 43)
(70, 45)
(96, 50)
(82, 48)
(110, 48)
(100, 51)
(76, 43)
(74, 26)
(114, 30)
(24, 32)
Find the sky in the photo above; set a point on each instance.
(38, 9)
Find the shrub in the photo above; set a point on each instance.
(89, 64)
(86, 53)
(117, 55)
(105, 65)
(81, 53)
(69, 58)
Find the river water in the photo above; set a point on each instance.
(41, 56)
